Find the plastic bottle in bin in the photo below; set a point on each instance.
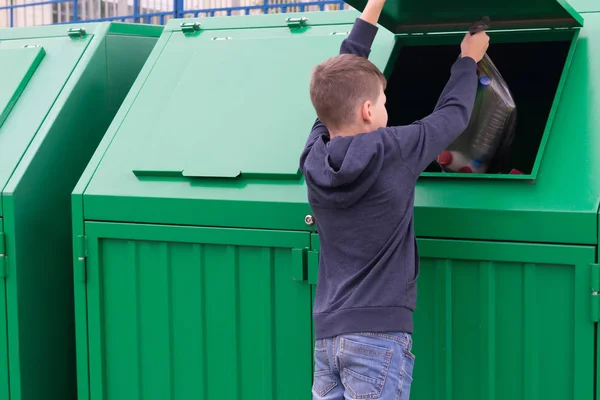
(490, 128)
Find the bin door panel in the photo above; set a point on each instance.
(504, 321)
(197, 313)
(4, 391)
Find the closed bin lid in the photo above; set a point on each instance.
(214, 135)
(450, 15)
(18, 66)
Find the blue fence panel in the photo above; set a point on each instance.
(15, 13)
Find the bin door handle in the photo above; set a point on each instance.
(299, 267)
(232, 173)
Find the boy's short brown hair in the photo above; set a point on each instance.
(342, 83)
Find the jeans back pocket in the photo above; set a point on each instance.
(323, 381)
(364, 367)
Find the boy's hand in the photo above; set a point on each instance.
(372, 11)
(475, 46)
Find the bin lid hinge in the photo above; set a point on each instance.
(76, 32)
(595, 292)
(299, 22)
(81, 268)
(190, 27)
(3, 265)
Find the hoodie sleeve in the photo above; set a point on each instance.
(423, 140)
(360, 39)
(359, 42)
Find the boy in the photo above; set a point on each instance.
(361, 178)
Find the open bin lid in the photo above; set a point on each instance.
(442, 15)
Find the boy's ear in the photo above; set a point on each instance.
(366, 111)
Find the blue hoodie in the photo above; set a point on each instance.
(361, 190)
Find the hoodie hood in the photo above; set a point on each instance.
(341, 171)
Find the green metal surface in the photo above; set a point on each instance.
(561, 205)
(137, 29)
(176, 156)
(36, 32)
(196, 313)
(4, 380)
(263, 21)
(170, 178)
(45, 143)
(585, 6)
(489, 316)
(184, 164)
(441, 15)
(20, 65)
(62, 54)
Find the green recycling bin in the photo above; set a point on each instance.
(60, 86)
(198, 253)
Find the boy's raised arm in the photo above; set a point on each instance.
(359, 43)
(423, 140)
(363, 32)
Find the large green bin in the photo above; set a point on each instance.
(60, 86)
(197, 259)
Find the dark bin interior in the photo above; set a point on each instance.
(531, 70)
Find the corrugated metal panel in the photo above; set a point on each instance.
(173, 320)
(503, 321)
(499, 321)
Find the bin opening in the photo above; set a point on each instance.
(531, 70)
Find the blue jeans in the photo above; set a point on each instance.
(363, 366)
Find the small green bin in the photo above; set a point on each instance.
(60, 86)
(198, 257)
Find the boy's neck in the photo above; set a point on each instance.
(349, 131)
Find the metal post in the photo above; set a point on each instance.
(75, 16)
(136, 11)
(178, 10)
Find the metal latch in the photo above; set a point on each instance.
(76, 32)
(81, 258)
(595, 292)
(296, 22)
(2, 256)
(189, 27)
